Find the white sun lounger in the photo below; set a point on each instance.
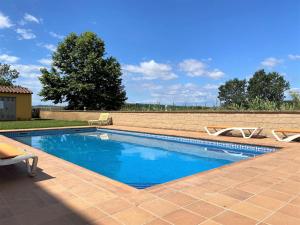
(247, 132)
(31, 168)
(294, 134)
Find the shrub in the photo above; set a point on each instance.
(35, 113)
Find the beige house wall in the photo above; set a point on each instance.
(187, 121)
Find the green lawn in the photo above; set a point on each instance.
(8, 125)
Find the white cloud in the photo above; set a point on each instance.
(30, 82)
(215, 74)
(188, 93)
(294, 90)
(46, 62)
(151, 86)
(5, 21)
(30, 18)
(50, 47)
(150, 70)
(8, 58)
(294, 57)
(211, 86)
(25, 34)
(28, 70)
(193, 67)
(271, 62)
(197, 68)
(55, 35)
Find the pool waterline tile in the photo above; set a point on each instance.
(260, 149)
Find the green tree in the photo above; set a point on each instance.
(82, 76)
(233, 92)
(7, 75)
(295, 99)
(267, 86)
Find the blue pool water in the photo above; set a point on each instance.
(137, 159)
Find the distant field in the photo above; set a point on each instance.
(140, 107)
(39, 123)
(160, 107)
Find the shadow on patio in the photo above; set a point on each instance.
(32, 201)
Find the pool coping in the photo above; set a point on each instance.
(45, 128)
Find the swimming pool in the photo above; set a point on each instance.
(137, 159)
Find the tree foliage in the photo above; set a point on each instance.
(233, 92)
(264, 90)
(7, 75)
(295, 99)
(82, 76)
(267, 86)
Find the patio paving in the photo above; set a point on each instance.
(262, 190)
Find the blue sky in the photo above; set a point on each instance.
(171, 50)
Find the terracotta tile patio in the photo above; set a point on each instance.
(262, 190)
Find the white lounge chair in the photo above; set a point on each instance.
(247, 132)
(286, 135)
(103, 120)
(12, 155)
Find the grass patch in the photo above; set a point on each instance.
(9, 125)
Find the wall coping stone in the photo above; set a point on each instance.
(202, 111)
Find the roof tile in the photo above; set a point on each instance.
(15, 90)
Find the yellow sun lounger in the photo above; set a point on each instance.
(103, 119)
(10, 154)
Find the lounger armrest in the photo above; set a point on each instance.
(17, 159)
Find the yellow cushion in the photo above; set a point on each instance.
(8, 151)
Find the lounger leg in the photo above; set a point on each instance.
(31, 169)
(259, 131)
(276, 136)
(210, 133)
(251, 134)
(207, 130)
(243, 133)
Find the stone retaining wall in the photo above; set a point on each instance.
(193, 121)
